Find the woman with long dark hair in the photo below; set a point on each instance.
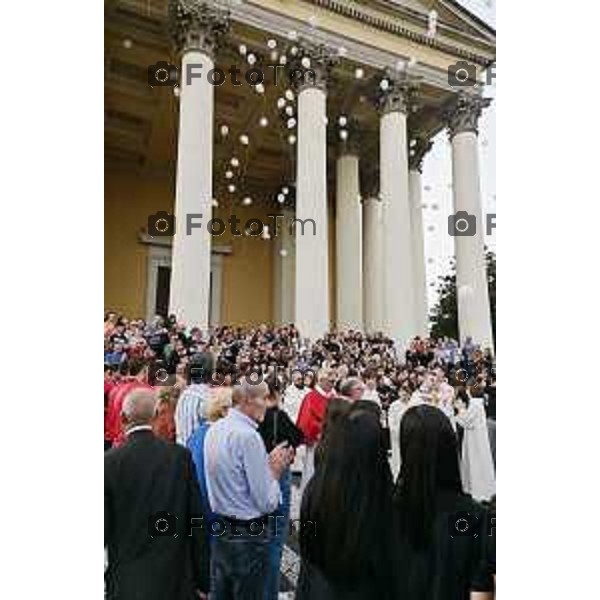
(345, 541)
(439, 557)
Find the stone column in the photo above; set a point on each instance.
(373, 261)
(415, 161)
(196, 30)
(348, 233)
(284, 268)
(312, 265)
(474, 317)
(398, 279)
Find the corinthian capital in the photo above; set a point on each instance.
(417, 152)
(396, 92)
(312, 66)
(463, 113)
(197, 25)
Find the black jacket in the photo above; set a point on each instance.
(143, 477)
(277, 427)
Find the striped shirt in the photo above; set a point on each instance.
(188, 414)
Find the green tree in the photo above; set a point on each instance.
(444, 316)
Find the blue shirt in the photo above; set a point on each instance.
(196, 447)
(238, 478)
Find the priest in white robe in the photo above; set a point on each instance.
(477, 467)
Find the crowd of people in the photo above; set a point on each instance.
(395, 454)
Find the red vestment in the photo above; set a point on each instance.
(113, 428)
(311, 415)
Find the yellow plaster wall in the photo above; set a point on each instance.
(247, 272)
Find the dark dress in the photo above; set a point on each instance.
(453, 565)
(374, 582)
(313, 585)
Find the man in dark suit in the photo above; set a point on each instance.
(151, 493)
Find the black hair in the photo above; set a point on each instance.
(462, 394)
(201, 367)
(135, 367)
(273, 384)
(429, 454)
(336, 408)
(349, 503)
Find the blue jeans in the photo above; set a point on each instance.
(238, 565)
(278, 529)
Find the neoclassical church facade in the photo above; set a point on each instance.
(331, 138)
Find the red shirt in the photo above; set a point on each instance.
(113, 428)
(164, 422)
(312, 415)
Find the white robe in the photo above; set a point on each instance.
(308, 468)
(396, 411)
(477, 467)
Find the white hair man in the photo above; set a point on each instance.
(151, 492)
(243, 489)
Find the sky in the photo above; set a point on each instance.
(437, 179)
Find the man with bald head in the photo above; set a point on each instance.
(242, 481)
(151, 493)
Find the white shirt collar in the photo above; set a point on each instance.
(236, 413)
(322, 391)
(138, 428)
